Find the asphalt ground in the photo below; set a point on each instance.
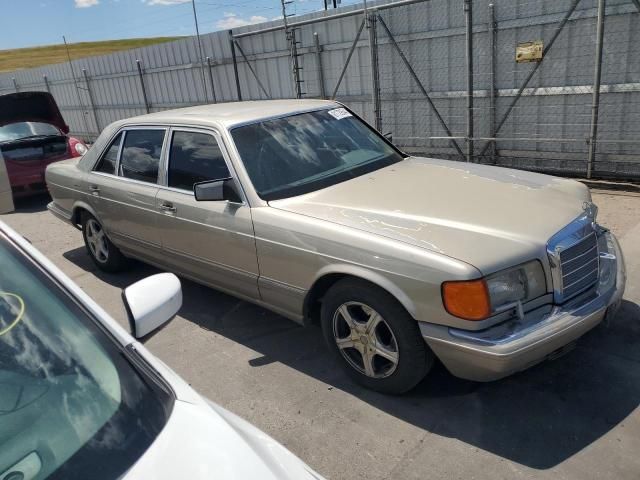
(575, 417)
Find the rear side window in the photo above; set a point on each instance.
(141, 155)
(194, 157)
(108, 161)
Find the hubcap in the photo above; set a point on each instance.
(365, 340)
(97, 241)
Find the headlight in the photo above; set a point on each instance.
(608, 261)
(519, 284)
(479, 299)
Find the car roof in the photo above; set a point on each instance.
(232, 113)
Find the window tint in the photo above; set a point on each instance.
(107, 163)
(141, 155)
(194, 157)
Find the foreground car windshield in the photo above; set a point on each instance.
(71, 403)
(16, 131)
(305, 152)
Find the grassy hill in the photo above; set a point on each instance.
(36, 56)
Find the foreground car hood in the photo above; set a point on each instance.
(31, 107)
(206, 442)
(487, 216)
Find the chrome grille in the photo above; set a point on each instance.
(579, 266)
(574, 257)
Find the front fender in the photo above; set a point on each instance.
(373, 277)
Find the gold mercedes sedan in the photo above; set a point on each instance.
(301, 207)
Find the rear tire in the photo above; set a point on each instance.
(377, 341)
(104, 254)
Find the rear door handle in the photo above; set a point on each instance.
(94, 190)
(167, 207)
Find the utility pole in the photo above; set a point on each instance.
(201, 55)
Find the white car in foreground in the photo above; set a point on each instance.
(81, 398)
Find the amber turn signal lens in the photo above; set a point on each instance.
(467, 299)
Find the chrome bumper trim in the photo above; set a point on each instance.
(515, 345)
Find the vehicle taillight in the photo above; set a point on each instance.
(77, 147)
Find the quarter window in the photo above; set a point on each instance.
(108, 161)
(194, 157)
(141, 155)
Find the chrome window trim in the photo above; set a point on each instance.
(106, 149)
(233, 126)
(223, 149)
(163, 148)
(572, 234)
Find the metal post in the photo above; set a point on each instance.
(555, 36)
(413, 74)
(596, 87)
(493, 33)
(316, 42)
(75, 83)
(255, 75)
(92, 104)
(290, 34)
(468, 15)
(213, 90)
(46, 83)
(15, 84)
(235, 65)
(375, 80)
(349, 55)
(144, 90)
(201, 55)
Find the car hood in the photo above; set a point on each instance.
(203, 441)
(487, 216)
(31, 107)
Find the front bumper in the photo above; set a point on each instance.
(544, 333)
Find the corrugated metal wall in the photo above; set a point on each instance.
(548, 129)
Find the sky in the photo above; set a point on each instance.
(27, 23)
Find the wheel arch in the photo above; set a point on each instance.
(329, 276)
(76, 213)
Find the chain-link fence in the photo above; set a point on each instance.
(508, 82)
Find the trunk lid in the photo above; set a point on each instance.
(31, 107)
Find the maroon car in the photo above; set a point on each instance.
(33, 134)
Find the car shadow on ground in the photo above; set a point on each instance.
(537, 418)
(32, 204)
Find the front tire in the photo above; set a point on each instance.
(104, 254)
(377, 341)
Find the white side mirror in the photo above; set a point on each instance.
(152, 302)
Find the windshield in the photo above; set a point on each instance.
(308, 151)
(16, 131)
(71, 403)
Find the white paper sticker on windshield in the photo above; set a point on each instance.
(339, 113)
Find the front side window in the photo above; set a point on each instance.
(308, 151)
(140, 159)
(108, 161)
(73, 403)
(194, 157)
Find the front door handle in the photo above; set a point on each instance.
(167, 207)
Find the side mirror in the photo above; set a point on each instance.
(152, 302)
(388, 136)
(217, 190)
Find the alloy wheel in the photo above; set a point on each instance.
(365, 340)
(97, 241)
